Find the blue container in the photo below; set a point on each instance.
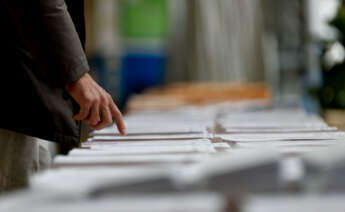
(141, 71)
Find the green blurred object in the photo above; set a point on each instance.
(332, 93)
(338, 22)
(144, 18)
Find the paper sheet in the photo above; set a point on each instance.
(283, 137)
(137, 150)
(127, 160)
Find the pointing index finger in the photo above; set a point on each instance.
(118, 118)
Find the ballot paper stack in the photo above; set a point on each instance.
(193, 135)
(176, 202)
(154, 138)
(187, 138)
(326, 170)
(197, 156)
(295, 203)
(289, 131)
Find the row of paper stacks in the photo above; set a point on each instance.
(229, 156)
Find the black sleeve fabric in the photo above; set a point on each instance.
(48, 33)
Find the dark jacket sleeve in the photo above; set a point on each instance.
(49, 35)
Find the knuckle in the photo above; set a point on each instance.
(84, 94)
(108, 96)
(98, 98)
(88, 99)
(104, 100)
(95, 100)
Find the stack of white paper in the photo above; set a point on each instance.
(143, 150)
(326, 169)
(275, 119)
(296, 203)
(259, 137)
(190, 120)
(246, 171)
(82, 181)
(128, 160)
(139, 143)
(151, 137)
(214, 148)
(164, 202)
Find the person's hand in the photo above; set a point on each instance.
(97, 107)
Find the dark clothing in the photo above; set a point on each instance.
(42, 52)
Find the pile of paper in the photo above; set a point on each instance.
(176, 202)
(186, 150)
(290, 131)
(227, 150)
(296, 203)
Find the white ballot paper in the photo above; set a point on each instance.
(169, 122)
(148, 137)
(140, 150)
(241, 171)
(81, 181)
(156, 128)
(164, 202)
(288, 146)
(283, 137)
(274, 119)
(281, 130)
(326, 169)
(110, 144)
(261, 124)
(295, 203)
(128, 160)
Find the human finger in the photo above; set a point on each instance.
(116, 114)
(93, 118)
(106, 119)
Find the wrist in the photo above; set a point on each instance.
(77, 83)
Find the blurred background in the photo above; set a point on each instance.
(294, 47)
